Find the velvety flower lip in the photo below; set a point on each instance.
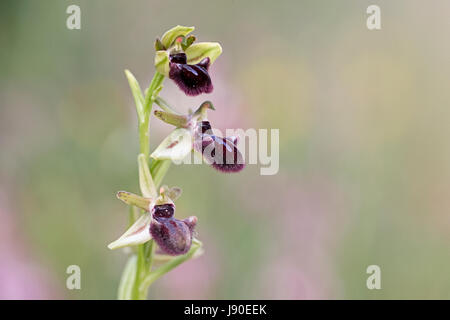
(173, 236)
(192, 79)
(221, 153)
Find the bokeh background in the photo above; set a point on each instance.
(364, 151)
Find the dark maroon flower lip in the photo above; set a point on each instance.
(221, 153)
(192, 79)
(173, 236)
(227, 157)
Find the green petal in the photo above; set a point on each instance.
(198, 51)
(175, 146)
(134, 200)
(173, 193)
(172, 118)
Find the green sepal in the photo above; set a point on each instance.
(138, 233)
(171, 35)
(198, 51)
(176, 146)
(162, 62)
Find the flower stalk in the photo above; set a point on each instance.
(154, 233)
(139, 265)
(138, 274)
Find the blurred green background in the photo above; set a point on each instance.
(364, 151)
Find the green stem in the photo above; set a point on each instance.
(144, 135)
(158, 169)
(144, 258)
(139, 267)
(140, 272)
